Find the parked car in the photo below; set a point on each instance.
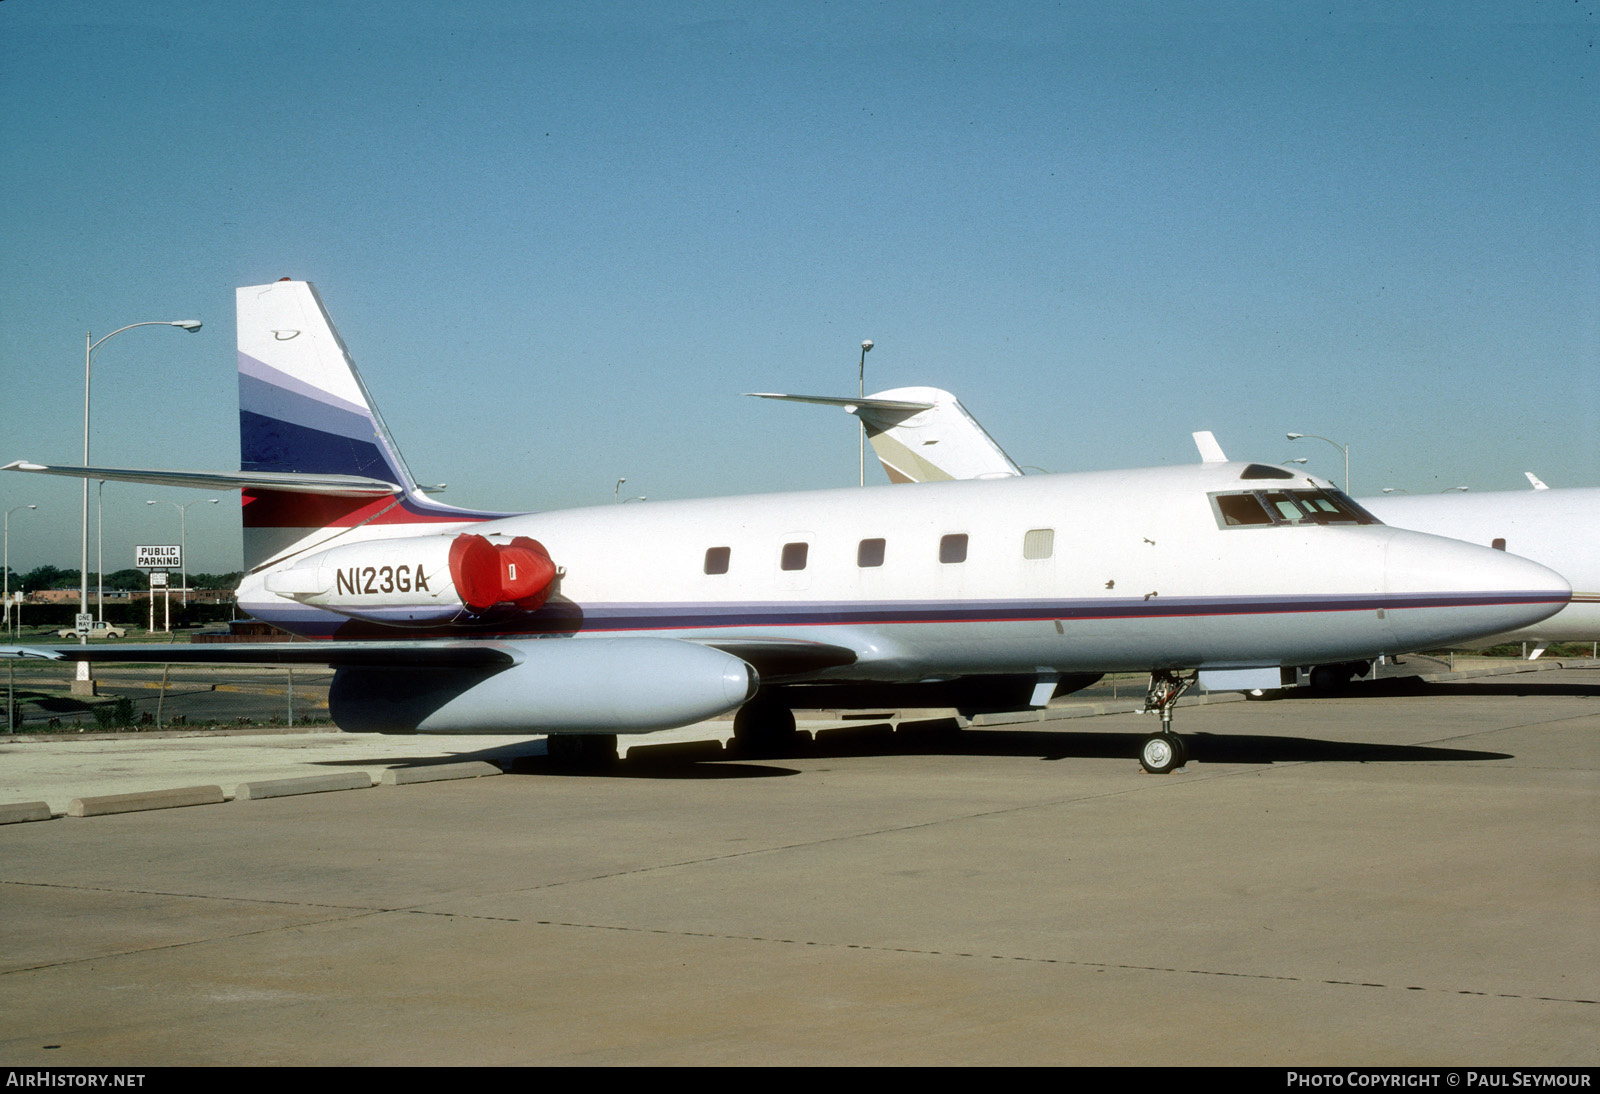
(101, 629)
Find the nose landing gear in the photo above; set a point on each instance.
(1164, 752)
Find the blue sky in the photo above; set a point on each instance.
(560, 239)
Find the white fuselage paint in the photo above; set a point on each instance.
(1139, 576)
(1558, 528)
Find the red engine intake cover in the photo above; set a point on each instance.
(486, 574)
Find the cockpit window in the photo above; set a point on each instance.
(1280, 507)
(1241, 509)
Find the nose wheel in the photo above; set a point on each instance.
(1161, 753)
(1164, 752)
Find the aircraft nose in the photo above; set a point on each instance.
(1445, 591)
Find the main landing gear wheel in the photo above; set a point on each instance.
(582, 750)
(1161, 753)
(764, 729)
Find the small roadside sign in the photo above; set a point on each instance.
(158, 578)
(84, 621)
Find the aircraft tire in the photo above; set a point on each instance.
(582, 750)
(1161, 753)
(764, 729)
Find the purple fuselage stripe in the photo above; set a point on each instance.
(562, 618)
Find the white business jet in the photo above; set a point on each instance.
(981, 594)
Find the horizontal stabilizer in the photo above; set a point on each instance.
(289, 482)
(853, 405)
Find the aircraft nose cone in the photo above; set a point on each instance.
(1446, 591)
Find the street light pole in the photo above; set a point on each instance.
(183, 539)
(11, 676)
(7, 563)
(84, 683)
(861, 425)
(100, 549)
(1341, 447)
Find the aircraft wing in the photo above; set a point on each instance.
(460, 654)
(344, 486)
(773, 658)
(783, 658)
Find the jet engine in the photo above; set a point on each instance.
(558, 685)
(420, 580)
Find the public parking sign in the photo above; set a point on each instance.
(169, 557)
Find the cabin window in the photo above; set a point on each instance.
(953, 548)
(1039, 543)
(1499, 545)
(869, 552)
(794, 556)
(717, 559)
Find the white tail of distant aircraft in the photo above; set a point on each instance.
(920, 434)
(982, 595)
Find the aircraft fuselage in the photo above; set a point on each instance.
(1098, 572)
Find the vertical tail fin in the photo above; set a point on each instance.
(303, 408)
(302, 404)
(943, 442)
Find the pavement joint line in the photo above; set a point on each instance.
(357, 913)
(185, 944)
(1062, 961)
(197, 896)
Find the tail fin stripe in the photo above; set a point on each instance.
(295, 387)
(266, 401)
(269, 444)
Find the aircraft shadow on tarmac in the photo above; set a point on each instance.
(709, 760)
(1413, 686)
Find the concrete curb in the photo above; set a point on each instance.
(307, 784)
(432, 773)
(21, 812)
(148, 799)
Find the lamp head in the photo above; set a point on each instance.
(190, 325)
